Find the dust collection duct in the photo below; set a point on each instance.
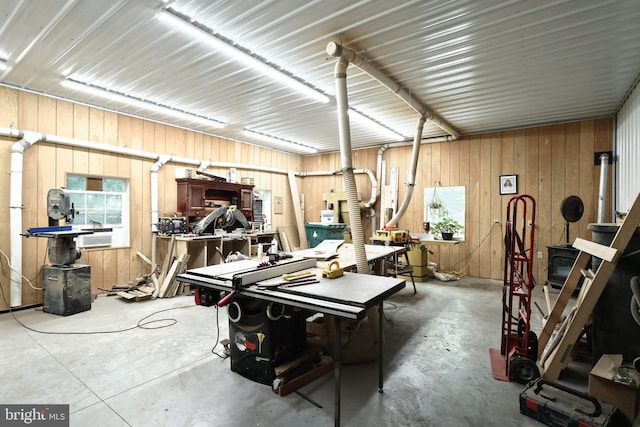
(345, 57)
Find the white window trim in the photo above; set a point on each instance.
(120, 232)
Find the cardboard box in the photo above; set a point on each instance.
(603, 387)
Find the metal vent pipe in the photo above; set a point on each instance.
(602, 193)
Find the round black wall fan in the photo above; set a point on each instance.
(572, 209)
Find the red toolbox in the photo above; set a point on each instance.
(556, 405)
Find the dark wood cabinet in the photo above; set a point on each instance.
(199, 197)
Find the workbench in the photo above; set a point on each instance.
(377, 255)
(346, 297)
(203, 250)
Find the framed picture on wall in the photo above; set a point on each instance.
(508, 184)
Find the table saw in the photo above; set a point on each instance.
(251, 285)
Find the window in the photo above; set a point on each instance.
(100, 203)
(445, 203)
(265, 196)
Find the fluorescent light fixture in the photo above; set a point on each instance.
(3, 65)
(378, 127)
(205, 35)
(279, 141)
(139, 103)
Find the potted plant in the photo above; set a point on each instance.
(447, 227)
(436, 205)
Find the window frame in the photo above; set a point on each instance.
(120, 232)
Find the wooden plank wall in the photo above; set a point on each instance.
(552, 162)
(46, 166)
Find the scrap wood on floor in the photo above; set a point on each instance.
(141, 289)
(140, 294)
(155, 284)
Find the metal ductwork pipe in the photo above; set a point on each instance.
(602, 193)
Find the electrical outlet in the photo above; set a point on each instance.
(539, 255)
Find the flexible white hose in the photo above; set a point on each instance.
(412, 177)
(348, 178)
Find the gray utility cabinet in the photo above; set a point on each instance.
(67, 289)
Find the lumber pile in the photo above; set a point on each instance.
(169, 286)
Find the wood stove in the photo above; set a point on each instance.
(561, 259)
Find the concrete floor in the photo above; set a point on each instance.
(436, 365)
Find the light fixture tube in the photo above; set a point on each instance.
(278, 141)
(200, 33)
(139, 103)
(381, 129)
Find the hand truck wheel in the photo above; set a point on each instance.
(523, 370)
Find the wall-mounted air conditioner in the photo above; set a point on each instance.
(95, 240)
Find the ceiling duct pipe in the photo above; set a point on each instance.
(207, 164)
(602, 193)
(336, 50)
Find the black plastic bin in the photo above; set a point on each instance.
(613, 329)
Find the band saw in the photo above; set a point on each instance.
(66, 285)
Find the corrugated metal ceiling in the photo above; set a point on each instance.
(481, 65)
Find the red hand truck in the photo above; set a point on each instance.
(516, 359)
